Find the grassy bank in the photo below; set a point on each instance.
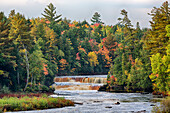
(164, 106)
(32, 103)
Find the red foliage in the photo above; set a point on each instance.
(120, 46)
(71, 25)
(113, 78)
(93, 43)
(108, 82)
(157, 75)
(77, 56)
(96, 24)
(47, 22)
(23, 95)
(45, 69)
(62, 32)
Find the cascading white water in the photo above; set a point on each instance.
(79, 82)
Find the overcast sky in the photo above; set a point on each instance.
(80, 10)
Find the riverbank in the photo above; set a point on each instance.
(14, 102)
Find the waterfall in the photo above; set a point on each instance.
(78, 83)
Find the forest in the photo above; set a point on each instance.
(34, 51)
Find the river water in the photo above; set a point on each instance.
(83, 91)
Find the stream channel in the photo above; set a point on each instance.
(83, 91)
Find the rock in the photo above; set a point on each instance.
(80, 103)
(97, 101)
(117, 103)
(152, 105)
(108, 107)
(142, 111)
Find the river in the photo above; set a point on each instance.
(83, 91)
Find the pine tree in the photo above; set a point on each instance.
(157, 39)
(96, 18)
(125, 20)
(7, 59)
(5, 42)
(50, 13)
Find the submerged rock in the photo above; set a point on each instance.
(142, 111)
(152, 105)
(76, 102)
(108, 107)
(117, 103)
(97, 101)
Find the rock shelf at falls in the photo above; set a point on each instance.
(79, 82)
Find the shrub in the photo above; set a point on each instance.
(44, 88)
(37, 88)
(5, 90)
(164, 106)
(32, 103)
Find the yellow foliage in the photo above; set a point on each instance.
(75, 22)
(92, 57)
(1, 72)
(22, 50)
(119, 30)
(86, 26)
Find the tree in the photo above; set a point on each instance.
(96, 18)
(110, 43)
(92, 57)
(50, 13)
(5, 42)
(125, 20)
(7, 59)
(37, 63)
(20, 36)
(157, 38)
(161, 70)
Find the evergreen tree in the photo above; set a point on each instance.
(96, 18)
(125, 20)
(157, 39)
(7, 59)
(50, 13)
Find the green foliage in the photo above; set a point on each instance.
(168, 30)
(38, 49)
(96, 18)
(157, 36)
(50, 14)
(125, 20)
(32, 103)
(161, 69)
(5, 90)
(38, 88)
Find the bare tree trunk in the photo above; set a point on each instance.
(31, 79)
(34, 81)
(27, 67)
(18, 76)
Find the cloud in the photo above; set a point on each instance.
(13, 2)
(84, 9)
